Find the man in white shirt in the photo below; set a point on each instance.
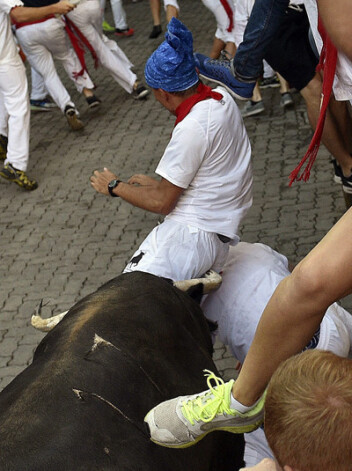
(14, 102)
(206, 177)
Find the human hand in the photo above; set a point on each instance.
(100, 180)
(266, 464)
(142, 180)
(63, 7)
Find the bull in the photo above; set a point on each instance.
(133, 343)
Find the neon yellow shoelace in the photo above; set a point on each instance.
(204, 408)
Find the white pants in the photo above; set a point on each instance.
(222, 19)
(179, 252)
(14, 112)
(87, 18)
(118, 13)
(44, 42)
(38, 90)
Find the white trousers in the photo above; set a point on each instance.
(87, 18)
(179, 252)
(38, 90)
(222, 19)
(14, 112)
(118, 13)
(42, 43)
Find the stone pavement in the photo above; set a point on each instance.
(64, 240)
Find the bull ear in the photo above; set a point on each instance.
(196, 292)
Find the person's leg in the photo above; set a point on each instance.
(286, 97)
(119, 14)
(42, 61)
(15, 107)
(297, 306)
(240, 75)
(57, 42)
(332, 137)
(86, 17)
(155, 11)
(263, 23)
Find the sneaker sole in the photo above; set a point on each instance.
(236, 430)
(141, 95)
(39, 108)
(347, 189)
(18, 182)
(276, 85)
(253, 113)
(231, 92)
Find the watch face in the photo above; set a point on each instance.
(112, 184)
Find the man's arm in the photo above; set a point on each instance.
(20, 14)
(337, 19)
(144, 192)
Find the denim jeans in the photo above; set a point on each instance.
(262, 24)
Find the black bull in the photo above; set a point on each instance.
(80, 405)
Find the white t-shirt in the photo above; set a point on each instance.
(8, 48)
(209, 155)
(343, 76)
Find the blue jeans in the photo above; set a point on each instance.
(265, 18)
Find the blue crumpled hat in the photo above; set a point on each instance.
(171, 67)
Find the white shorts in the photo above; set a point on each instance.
(179, 252)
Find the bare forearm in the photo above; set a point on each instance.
(21, 14)
(149, 198)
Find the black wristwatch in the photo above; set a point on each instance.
(113, 184)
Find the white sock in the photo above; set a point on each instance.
(234, 404)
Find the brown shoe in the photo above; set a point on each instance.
(72, 118)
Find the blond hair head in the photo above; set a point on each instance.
(308, 412)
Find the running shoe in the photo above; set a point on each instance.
(183, 421)
(42, 105)
(220, 71)
(252, 108)
(19, 177)
(124, 33)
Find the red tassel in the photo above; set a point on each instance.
(229, 12)
(327, 63)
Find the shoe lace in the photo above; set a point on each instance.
(207, 406)
(23, 178)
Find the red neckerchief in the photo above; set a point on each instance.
(79, 41)
(327, 63)
(203, 93)
(229, 13)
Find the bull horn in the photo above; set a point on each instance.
(210, 282)
(45, 325)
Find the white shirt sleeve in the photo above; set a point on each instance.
(184, 153)
(7, 5)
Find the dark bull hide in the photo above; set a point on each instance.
(80, 405)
